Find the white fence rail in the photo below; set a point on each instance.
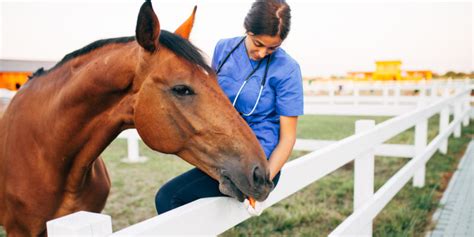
(212, 216)
(394, 88)
(376, 98)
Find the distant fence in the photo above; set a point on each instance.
(376, 98)
(212, 216)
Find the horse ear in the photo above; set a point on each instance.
(148, 27)
(185, 29)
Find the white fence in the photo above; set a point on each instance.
(376, 98)
(212, 216)
(336, 88)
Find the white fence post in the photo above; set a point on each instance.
(356, 94)
(397, 93)
(422, 99)
(80, 224)
(444, 122)
(385, 94)
(421, 138)
(457, 114)
(133, 147)
(467, 107)
(443, 125)
(364, 175)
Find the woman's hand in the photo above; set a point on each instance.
(253, 207)
(278, 158)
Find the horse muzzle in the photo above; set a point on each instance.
(256, 183)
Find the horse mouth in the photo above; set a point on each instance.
(227, 187)
(230, 188)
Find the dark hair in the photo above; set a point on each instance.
(269, 17)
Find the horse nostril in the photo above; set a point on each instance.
(258, 176)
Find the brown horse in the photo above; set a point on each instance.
(157, 82)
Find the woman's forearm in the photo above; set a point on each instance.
(285, 145)
(280, 155)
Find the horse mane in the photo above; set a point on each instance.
(184, 48)
(180, 46)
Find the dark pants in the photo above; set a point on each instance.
(188, 187)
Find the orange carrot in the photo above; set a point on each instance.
(252, 202)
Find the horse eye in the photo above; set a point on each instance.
(182, 90)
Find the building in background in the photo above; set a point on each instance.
(14, 73)
(390, 71)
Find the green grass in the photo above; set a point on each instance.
(314, 211)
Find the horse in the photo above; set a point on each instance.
(59, 122)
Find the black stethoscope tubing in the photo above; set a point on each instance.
(248, 77)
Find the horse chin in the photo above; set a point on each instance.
(227, 187)
(230, 188)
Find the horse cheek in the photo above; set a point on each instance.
(155, 124)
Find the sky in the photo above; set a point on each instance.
(326, 38)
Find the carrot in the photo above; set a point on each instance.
(252, 202)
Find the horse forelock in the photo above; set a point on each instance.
(184, 49)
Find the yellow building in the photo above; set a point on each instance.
(390, 71)
(14, 73)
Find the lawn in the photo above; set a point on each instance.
(314, 211)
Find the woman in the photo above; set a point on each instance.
(265, 85)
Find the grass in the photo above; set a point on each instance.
(314, 211)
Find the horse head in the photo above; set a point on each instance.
(180, 109)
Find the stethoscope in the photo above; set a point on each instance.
(248, 77)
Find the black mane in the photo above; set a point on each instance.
(181, 47)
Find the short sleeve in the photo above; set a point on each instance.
(289, 94)
(216, 55)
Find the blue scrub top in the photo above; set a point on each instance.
(282, 93)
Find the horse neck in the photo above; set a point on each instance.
(97, 104)
(91, 101)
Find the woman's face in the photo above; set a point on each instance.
(259, 46)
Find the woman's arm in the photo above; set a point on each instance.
(285, 144)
